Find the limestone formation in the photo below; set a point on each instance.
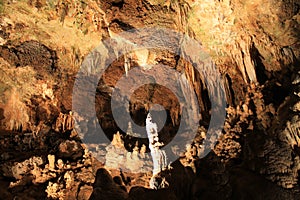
(254, 45)
(159, 156)
(70, 149)
(117, 157)
(130, 131)
(64, 122)
(51, 161)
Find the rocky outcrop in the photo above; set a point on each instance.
(54, 174)
(106, 188)
(30, 53)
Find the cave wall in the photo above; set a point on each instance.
(255, 45)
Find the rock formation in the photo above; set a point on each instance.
(117, 157)
(158, 155)
(49, 151)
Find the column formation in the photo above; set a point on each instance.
(159, 157)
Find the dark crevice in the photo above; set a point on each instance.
(122, 25)
(229, 90)
(259, 66)
(118, 3)
(274, 93)
(204, 97)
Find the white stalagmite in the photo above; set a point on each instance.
(130, 131)
(159, 157)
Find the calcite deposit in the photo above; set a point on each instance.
(50, 150)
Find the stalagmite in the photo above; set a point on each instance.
(51, 160)
(130, 131)
(159, 157)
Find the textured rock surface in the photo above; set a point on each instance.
(255, 45)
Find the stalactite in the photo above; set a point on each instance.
(193, 74)
(16, 116)
(189, 97)
(247, 60)
(243, 59)
(64, 122)
(174, 116)
(126, 65)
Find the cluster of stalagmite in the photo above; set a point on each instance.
(117, 157)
